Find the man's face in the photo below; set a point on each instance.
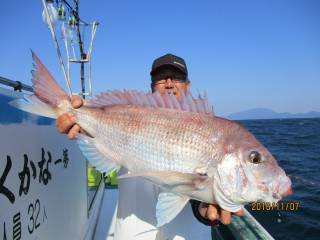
(170, 80)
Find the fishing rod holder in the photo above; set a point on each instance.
(68, 29)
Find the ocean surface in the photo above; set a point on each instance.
(295, 143)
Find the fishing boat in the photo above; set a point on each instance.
(45, 192)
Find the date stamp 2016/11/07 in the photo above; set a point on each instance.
(278, 206)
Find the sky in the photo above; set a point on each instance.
(244, 54)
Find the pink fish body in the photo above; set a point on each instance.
(177, 144)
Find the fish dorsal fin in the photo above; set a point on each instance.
(95, 157)
(156, 100)
(169, 205)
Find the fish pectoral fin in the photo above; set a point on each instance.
(89, 149)
(169, 205)
(175, 181)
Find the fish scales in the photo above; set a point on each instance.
(151, 138)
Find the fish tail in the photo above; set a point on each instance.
(33, 105)
(45, 87)
(49, 99)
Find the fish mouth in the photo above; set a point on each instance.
(278, 188)
(287, 193)
(281, 188)
(283, 194)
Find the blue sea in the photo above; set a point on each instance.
(295, 143)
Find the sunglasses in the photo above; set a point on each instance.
(162, 77)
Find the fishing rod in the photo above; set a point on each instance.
(55, 16)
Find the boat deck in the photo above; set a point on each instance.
(104, 228)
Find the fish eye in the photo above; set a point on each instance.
(255, 157)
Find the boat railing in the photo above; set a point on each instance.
(242, 228)
(16, 85)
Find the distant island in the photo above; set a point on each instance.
(264, 113)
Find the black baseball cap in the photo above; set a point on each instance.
(171, 60)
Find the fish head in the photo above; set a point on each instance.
(247, 171)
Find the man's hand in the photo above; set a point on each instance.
(66, 123)
(213, 212)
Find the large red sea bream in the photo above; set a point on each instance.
(179, 145)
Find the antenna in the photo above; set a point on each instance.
(72, 36)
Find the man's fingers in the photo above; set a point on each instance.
(65, 122)
(212, 212)
(225, 217)
(76, 101)
(73, 132)
(239, 213)
(203, 207)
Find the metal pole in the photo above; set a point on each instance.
(82, 53)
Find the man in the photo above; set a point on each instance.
(138, 197)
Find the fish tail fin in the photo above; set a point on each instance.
(49, 99)
(45, 87)
(33, 105)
